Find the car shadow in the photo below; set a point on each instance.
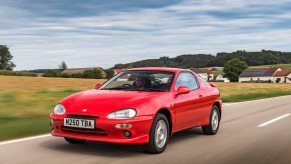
(114, 150)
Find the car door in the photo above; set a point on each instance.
(187, 105)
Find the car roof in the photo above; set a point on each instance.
(167, 69)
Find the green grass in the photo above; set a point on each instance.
(27, 113)
(253, 96)
(13, 127)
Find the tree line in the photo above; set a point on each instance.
(234, 63)
(264, 57)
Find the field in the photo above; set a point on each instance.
(25, 102)
(284, 66)
(237, 92)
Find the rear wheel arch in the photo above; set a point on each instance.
(219, 108)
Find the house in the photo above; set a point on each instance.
(264, 74)
(283, 76)
(71, 71)
(117, 71)
(206, 74)
(221, 77)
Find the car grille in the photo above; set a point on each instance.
(96, 131)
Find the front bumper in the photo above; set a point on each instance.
(105, 129)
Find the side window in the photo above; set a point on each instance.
(186, 79)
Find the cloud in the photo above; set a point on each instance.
(42, 34)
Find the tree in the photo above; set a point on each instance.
(92, 74)
(109, 73)
(5, 59)
(233, 68)
(63, 66)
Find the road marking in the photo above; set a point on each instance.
(24, 139)
(273, 120)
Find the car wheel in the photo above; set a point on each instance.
(75, 141)
(159, 135)
(213, 126)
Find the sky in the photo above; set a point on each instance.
(43, 33)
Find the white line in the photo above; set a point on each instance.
(273, 120)
(24, 139)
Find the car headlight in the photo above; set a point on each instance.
(122, 114)
(59, 109)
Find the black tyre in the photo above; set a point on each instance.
(75, 141)
(213, 126)
(159, 135)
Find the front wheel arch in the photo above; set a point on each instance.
(168, 114)
(152, 146)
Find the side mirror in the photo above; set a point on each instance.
(213, 85)
(97, 86)
(182, 90)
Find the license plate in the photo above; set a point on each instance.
(79, 123)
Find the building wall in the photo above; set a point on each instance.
(221, 78)
(211, 77)
(283, 79)
(288, 80)
(243, 79)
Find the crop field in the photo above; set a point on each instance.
(26, 102)
(236, 92)
(284, 66)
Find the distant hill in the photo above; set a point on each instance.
(264, 57)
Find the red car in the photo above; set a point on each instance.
(139, 106)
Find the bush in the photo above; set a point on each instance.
(52, 73)
(17, 73)
(89, 74)
(92, 74)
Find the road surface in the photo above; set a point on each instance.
(251, 132)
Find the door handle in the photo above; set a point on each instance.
(200, 96)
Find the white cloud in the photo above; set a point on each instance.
(121, 37)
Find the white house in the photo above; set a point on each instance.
(221, 77)
(259, 74)
(283, 76)
(204, 73)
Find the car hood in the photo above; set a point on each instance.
(103, 102)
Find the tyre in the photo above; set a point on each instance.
(159, 135)
(75, 141)
(213, 126)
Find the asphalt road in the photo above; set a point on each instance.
(240, 140)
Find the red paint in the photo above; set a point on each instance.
(186, 109)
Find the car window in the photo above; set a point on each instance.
(186, 79)
(157, 81)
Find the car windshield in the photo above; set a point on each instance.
(158, 81)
